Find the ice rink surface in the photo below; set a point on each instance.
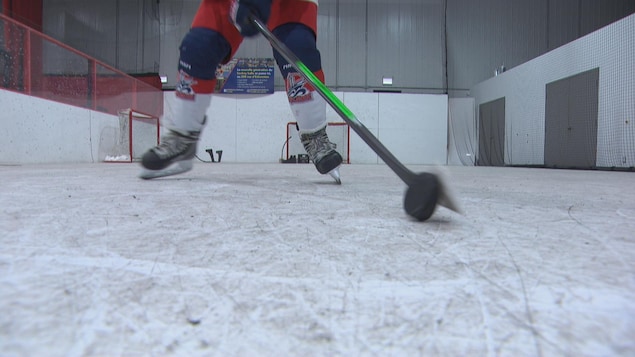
(276, 260)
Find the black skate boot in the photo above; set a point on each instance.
(172, 156)
(322, 152)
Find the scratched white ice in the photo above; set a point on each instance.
(272, 259)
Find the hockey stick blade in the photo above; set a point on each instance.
(425, 190)
(447, 197)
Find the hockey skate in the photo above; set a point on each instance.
(173, 156)
(322, 152)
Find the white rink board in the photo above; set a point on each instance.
(42, 131)
(252, 128)
(247, 128)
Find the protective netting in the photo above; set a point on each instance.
(557, 119)
(616, 112)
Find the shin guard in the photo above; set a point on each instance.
(201, 51)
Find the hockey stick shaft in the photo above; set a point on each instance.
(397, 167)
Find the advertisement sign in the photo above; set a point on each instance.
(246, 76)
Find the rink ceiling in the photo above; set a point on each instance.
(271, 259)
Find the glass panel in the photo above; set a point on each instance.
(58, 73)
(11, 56)
(38, 65)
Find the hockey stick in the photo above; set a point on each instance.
(424, 191)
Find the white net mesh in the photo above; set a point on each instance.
(137, 133)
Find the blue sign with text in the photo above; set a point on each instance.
(246, 76)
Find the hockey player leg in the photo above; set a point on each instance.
(200, 53)
(308, 107)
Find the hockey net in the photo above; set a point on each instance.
(339, 133)
(137, 133)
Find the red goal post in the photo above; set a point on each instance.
(339, 133)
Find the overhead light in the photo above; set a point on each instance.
(387, 81)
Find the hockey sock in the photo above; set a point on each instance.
(308, 107)
(186, 111)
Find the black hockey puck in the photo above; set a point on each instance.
(422, 196)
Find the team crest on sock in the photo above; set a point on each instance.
(298, 89)
(184, 89)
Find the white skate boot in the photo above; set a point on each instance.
(172, 156)
(322, 152)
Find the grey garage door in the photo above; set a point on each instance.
(491, 133)
(571, 121)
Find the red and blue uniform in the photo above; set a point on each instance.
(216, 33)
(214, 39)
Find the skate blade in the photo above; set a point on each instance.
(335, 174)
(174, 169)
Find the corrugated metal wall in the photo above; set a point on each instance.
(405, 42)
(123, 33)
(361, 40)
(487, 34)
